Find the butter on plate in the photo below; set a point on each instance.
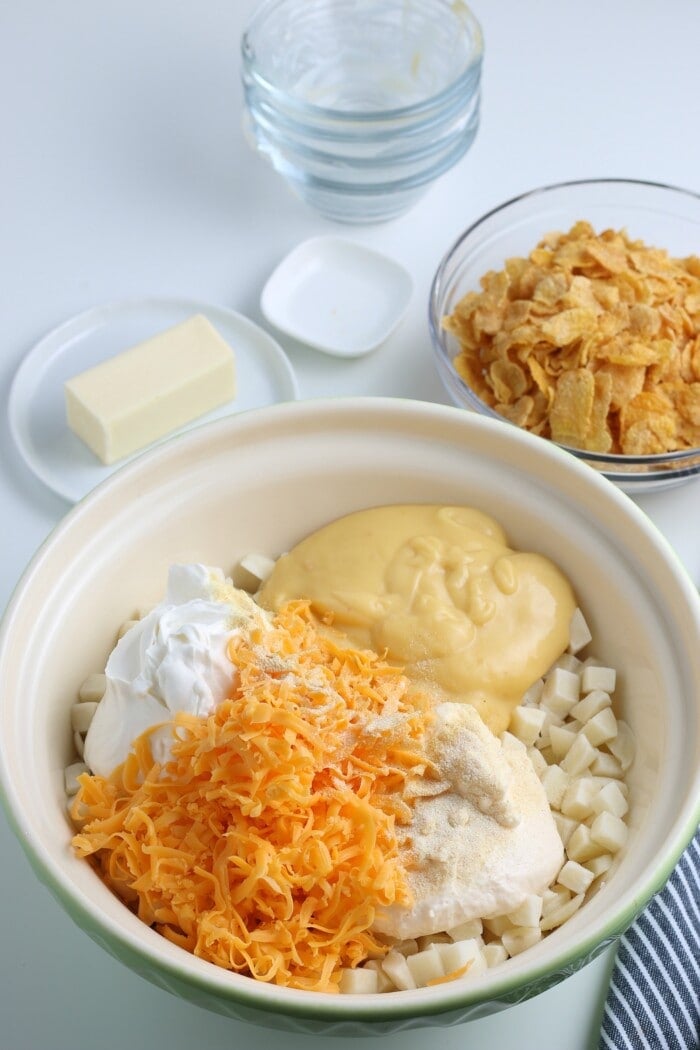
(144, 393)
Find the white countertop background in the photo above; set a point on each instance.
(124, 173)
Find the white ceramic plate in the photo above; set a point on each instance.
(337, 296)
(36, 404)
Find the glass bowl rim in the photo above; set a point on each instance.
(365, 118)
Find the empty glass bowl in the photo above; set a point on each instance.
(361, 104)
(662, 216)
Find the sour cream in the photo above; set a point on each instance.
(174, 659)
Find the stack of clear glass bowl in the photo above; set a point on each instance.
(361, 104)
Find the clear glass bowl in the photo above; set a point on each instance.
(662, 216)
(361, 104)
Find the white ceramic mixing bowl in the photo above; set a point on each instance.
(261, 481)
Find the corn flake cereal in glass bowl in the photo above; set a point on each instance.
(574, 312)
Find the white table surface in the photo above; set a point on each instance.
(124, 173)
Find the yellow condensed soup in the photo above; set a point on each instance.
(440, 592)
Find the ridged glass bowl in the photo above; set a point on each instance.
(661, 216)
(361, 104)
(260, 481)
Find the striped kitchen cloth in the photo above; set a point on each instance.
(654, 997)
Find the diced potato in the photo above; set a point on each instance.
(396, 968)
(578, 798)
(494, 954)
(579, 757)
(606, 765)
(609, 831)
(358, 981)
(575, 877)
(599, 865)
(559, 915)
(622, 785)
(498, 925)
(561, 739)
(528, 913)
(461, 953)
(568, 662)
(533, 695)
(409, 946)
(526, 723)
(590, 705)
(579, 632)
(552, 718)
(425, 966)
(543, 741)
(553, 899)
(596, 677)
(472, 928)
(70, 777)
(561, 691)
(384, 982)
(601, 727)
(611, 800)
(82, 714)
(604, 781)
(555, 782)
(479, 965)
(93, 688)
(432, 938)
(622, 747)
(581, 845)
(539, 763)
(251, 571)
(518, 939)
(566, 826)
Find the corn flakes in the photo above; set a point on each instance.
(592, 341)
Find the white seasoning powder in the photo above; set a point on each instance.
(483, 841)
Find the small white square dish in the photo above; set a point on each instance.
(337, 296)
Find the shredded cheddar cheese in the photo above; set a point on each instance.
(268, 841)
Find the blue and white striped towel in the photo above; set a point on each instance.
(654, 997)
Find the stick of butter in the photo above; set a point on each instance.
(140, 395)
